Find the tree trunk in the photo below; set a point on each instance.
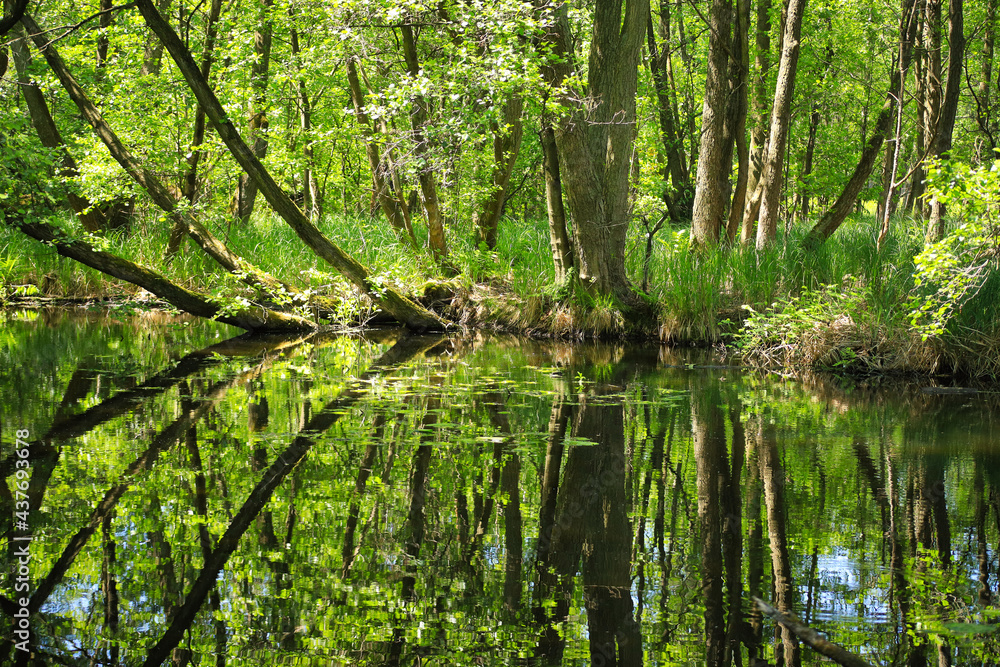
(833, 218)
(739, 72)
(759, 130)
(428, 185)
(562, 246)
(770, 180)
(679, 197)
(103, 43)
(189, 186)
(404, 310)
(949, 107)
(252, 318)
(506, 144)
(313, 196)
(887, 208)
(807, 163)
(984, 112)
(392, 208)
(257, 122)
(594, 140)
(710, 191)
(814, 118)
(914, 201)
(152, 54)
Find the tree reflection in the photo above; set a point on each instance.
(438, 511)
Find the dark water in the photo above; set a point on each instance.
(191, 498)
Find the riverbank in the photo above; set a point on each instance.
(847, 306)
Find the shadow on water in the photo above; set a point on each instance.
(394, 500)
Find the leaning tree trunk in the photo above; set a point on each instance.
(251, 318)
(709, 213)
(403, 309)
(160, 195)
(949, 107)
(833, 218)
(781, 117)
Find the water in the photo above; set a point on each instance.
(377, 499)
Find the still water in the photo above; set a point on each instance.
(183, 496)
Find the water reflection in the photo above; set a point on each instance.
(395, 500)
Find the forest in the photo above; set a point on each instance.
(814, 184)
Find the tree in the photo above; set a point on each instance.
(405, 310)
(837, 213)
(770, 180)
(760, 109)
(949, 107)
(257, 124)
(594, 133)
(712, 179)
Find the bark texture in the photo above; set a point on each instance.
(781, 119)
(594, 138)
(949, 106)
(759, 114)
(559, 238)
(709, 213)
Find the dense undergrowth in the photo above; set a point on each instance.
(847, 306)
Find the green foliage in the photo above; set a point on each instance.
(795, 326)
(952, 271)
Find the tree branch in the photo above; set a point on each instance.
(76, 26)
(815, 640)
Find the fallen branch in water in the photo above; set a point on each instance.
(815, 640)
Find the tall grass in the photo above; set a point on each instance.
(698, 289)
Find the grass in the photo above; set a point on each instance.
(842, 306)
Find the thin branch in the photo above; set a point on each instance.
(76, 26)
(815, 640)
